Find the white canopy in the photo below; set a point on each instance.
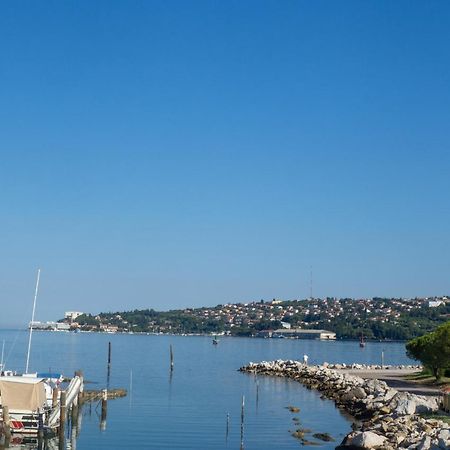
(22, 393)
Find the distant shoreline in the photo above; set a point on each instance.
(150, 333)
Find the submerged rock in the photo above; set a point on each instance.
(323, 437)
(293, 409)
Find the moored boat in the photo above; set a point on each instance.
(34, 402)
(362, 343)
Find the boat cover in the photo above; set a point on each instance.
(24, 395)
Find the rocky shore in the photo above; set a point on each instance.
(387, 419)
(355, 366)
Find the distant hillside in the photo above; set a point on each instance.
(377, 318)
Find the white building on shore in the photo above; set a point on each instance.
(71, 316)
(50, 326)
(298, 333)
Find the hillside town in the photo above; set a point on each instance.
(376, 318)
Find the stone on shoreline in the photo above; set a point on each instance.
(367, 440)
(390, 418)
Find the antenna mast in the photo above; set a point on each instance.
(310, 283)
(32, 320)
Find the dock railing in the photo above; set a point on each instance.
(71, 397)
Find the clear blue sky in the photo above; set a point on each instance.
(168, 154)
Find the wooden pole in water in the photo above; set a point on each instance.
(62, 416)
(80, 399)
(74, 410)
(6, 422)
(104, 409)
(242, 409)
(104, 403)
(109, 362)
(79, 373)
(242, 421)
(171, 357)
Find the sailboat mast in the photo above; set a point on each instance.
(3, 353)
(32, 320)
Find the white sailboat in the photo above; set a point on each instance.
(33, 398)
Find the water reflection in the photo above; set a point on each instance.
(25, 441)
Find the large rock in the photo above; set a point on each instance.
(367, 440)
(424, 444)
(405, 406)
(390, 394)
(444, 439)
(356, 393)
(426, 404)
(405, 403)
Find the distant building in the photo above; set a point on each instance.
(435, 303)
(298, 333)
(286, 325)
(109, 328)
(51, 326)
(71, 316)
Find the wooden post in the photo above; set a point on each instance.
(104, 403)
(109, 363)
(41, 426)
(171, 357)
(6, 422)
(228, 426)
(74, 411)
(242, 421)
(104, 409)
(55, 397)
(62, 416)
(80, 399)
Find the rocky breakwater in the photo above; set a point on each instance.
(371, 367)
(388, 419)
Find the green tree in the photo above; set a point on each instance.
(432, 349)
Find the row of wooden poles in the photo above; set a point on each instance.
(228, 415)
(104, 406)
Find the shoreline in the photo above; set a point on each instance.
(219, 334)
(396, 379)
(385, 418)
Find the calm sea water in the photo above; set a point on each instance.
(188, 409)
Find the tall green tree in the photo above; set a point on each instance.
(432, 349)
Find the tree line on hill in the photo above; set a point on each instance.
(347, 325)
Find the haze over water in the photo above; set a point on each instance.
(188, 410)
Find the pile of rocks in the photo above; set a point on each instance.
(390, 418)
